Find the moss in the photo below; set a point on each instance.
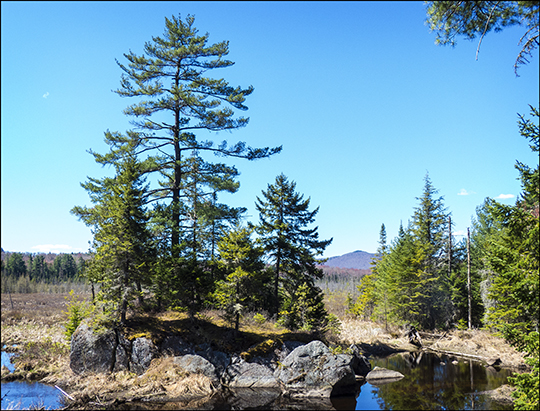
(139, 335)
(261, 349)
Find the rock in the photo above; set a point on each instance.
(286, 348)
(219, 359)
(195, 364)
(360, 364)
(174, 345)
(312, 370)
(502, 394)
(493, 361)
(243, 374)
(103, 352)
(381, 375)
(143, 351)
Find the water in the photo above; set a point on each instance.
(427, 385)
(430, 385)
(19, 395)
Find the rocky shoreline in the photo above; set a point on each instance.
(113, 367)
(290, 368)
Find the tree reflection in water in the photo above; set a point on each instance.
(429, 384)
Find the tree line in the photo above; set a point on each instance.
(26, 272)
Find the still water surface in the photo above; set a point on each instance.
(427, 385)
(430, 385)
(17, 395)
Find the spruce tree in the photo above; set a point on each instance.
(291, 245)
(245, 280)
(123, 250)
(429, 229)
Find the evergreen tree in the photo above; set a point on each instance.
(245, 283)
(512, 253)
(397, 284)
(15, 265)
(476, 18)
(64, 268)
(123, 251)
(40, 268)
(429, 230)
(512, 257)
(171, 80)
(292, 247)
(413, 284)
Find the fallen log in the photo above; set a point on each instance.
(459, 354)
(424, 334)
(65, 393)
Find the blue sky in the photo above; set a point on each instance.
(362, 100)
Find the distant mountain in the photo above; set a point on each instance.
(361, 260)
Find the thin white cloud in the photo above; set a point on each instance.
(46, 95)
(55, 248)
(504, 196)
(464, 192)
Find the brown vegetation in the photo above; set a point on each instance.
(35, 326)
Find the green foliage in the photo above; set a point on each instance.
(470, 19)
(304, 310)
(244, 286)
(123, 260)
(15, 265)
(512, 251)
(77, 311)
(365, 303)
(259, 318)
(508, 245)
(526, 397)
(176, 95)
(291, 245)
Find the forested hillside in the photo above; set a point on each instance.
(360, 260)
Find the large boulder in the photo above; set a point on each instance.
(143, 351)
(312, 370)
(195, 364)
(242, 374)
(176, 346)
(108, 351)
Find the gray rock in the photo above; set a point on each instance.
(493, 361)
(174, 345)
(143, 351)
(360, 364)
(312, 370)
(93, 352)
(123, 353)
(243, 374)
(219, 359)
(195, 364)
(381, 375)
(286, 349)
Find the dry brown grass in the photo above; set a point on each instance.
(354, 331)
(163, 379)
(481, 343)
(32, 325)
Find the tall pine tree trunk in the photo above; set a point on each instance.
(276, 284)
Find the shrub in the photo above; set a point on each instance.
(259, 319)
(76, 311)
